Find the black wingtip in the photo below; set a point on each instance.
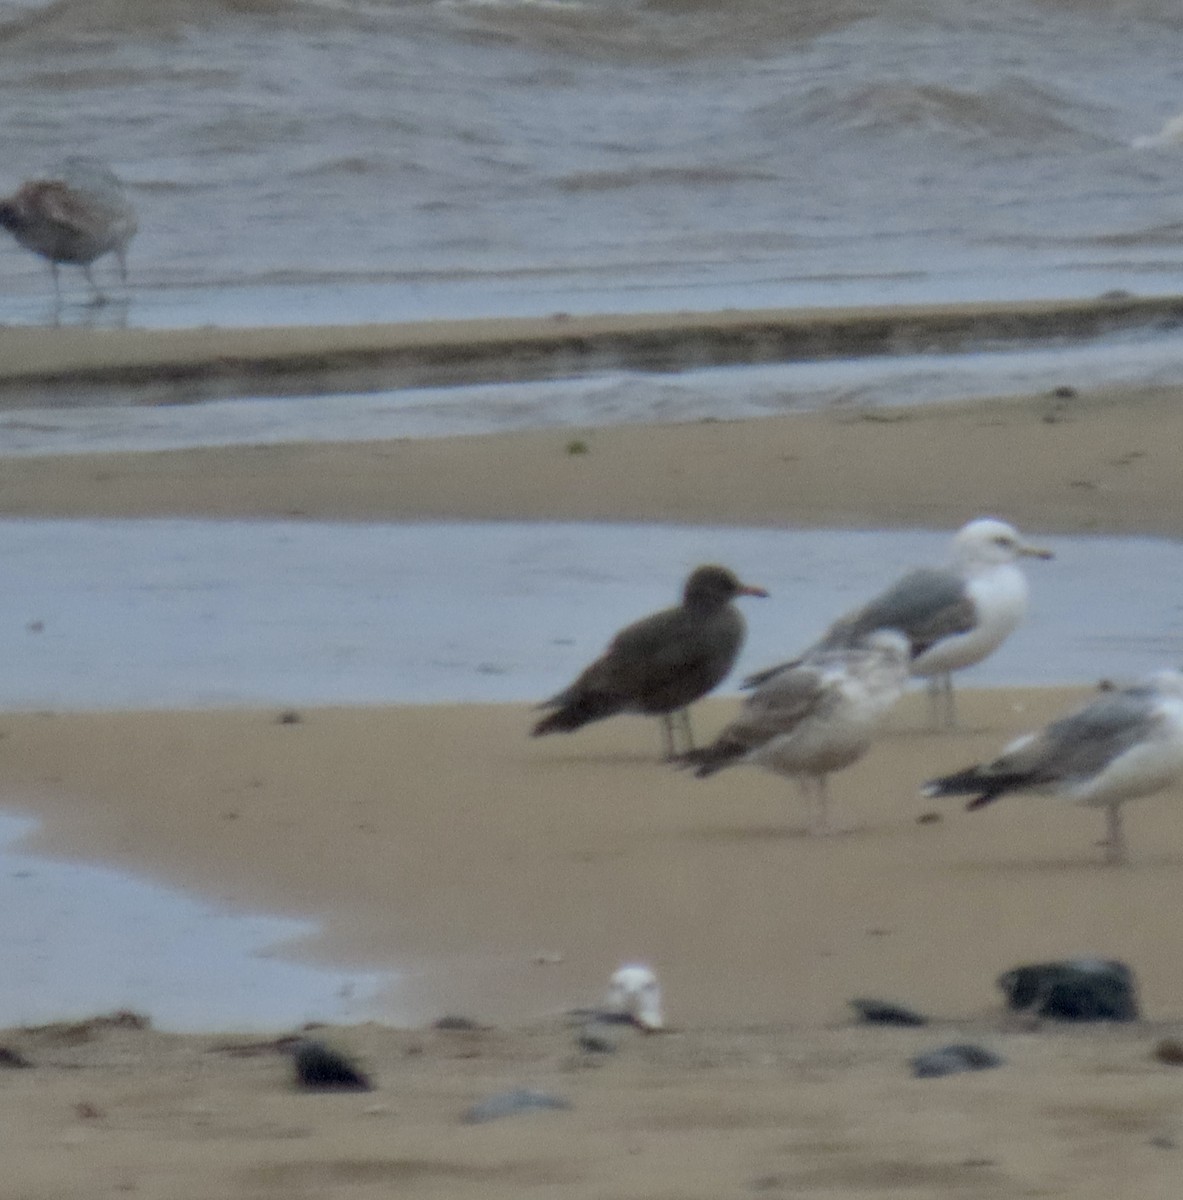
(981, 801)
(558, 720)
(981, 785)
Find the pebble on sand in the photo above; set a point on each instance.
(884, 1012)
(953, 1060)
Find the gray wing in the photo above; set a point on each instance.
(1084, 743)
(780, 704)
(925, 606)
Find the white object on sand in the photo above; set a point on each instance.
(635, 993)
(814, 716)
(1125, 744)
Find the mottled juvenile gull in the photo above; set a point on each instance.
(814, 716)
(953, 616)
(662, 663)
(1126, 743)
(75, 215)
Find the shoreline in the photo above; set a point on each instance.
(189, 364)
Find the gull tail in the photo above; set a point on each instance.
(573, 712)
(706, 760)
(988, 787)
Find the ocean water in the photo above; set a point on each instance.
(332, 160)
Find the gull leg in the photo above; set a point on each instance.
(803, 785)
(97, 297)
(942, 709)
(670, 724)
(950, 700)
(934, 702)
(121, 258)
(1115, 848)
(821, 820)
(57, 293)
(814, 793)
(684, 713)
(667, 737)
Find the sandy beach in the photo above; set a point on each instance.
(510, 876)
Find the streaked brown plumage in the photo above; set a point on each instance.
(74, 216)
(810, 718)
(662, 663)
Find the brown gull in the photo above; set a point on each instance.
(661, 664)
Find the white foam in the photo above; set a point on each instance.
(1171, 134)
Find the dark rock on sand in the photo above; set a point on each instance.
(952, 1060)
(1081, 989)
(456, 1024)
(1169, 1051)
(13, 1058)
(321, 1069)
(884, 1012)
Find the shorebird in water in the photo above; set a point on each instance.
(73, 215)
(662, 663)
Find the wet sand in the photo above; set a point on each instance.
(1103, 462)
(512, 875)
(158, 365)
(445, 840)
